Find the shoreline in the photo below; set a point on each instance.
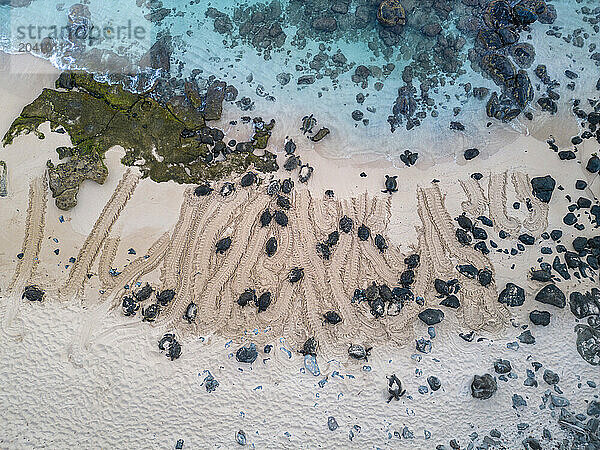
(117, 360)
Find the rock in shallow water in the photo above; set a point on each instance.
(483, 387)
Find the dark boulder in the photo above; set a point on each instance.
(539, 317)
(542, 188)
(431, 316)
(247, 354)
(512, 295)
(551, 295)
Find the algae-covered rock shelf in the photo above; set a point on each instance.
(166, 140)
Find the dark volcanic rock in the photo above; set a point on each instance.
(431, 316)
(247, 354)
(593, 164)
(542, 188)
(326, 24)
(502, 366)
(551, 295)
(539, 317)
(471, 153)
(512, 295)
(483, 387)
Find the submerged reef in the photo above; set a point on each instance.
(167, 140)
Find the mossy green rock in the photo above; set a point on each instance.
(98, 116)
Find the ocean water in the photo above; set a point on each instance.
(332, 98)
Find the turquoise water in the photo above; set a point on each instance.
(260, 67)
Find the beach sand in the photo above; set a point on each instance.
(76, 372)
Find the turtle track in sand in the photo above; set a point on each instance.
(479, 308)
(189, 264)
(497, 204)
(537, 220)
(34, 233)
(476, 203)
(100, 231)
(107, 257)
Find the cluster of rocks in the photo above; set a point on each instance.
(590, 123)
(258, 25)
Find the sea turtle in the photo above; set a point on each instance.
(308, 122)
(309, 347)
(290, 147)
(346, 224)
(227, 189)
(391, 185)
(265, 218)
(296, 274)
(364, 232)
(202, 190)
(191, 312)
(248, 180)
(380, 243)
(33, 293)
(323, 250)
(305, 173)
(395, 388)
(130, 306)
(150, 313)
(292, 163)
(283, 202)
(273, 187)
(385, 293)
(377, 307)
(223, 245)
(144, 293)
(271, 246)
(464, 222)
(332, 317)
(359, 352)
(263, 301)
(165, 297)
(172, 346)
(280, 218)
(407, 277)
(412, 261)
(248, 296)
(333, 238)
(287, 185)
